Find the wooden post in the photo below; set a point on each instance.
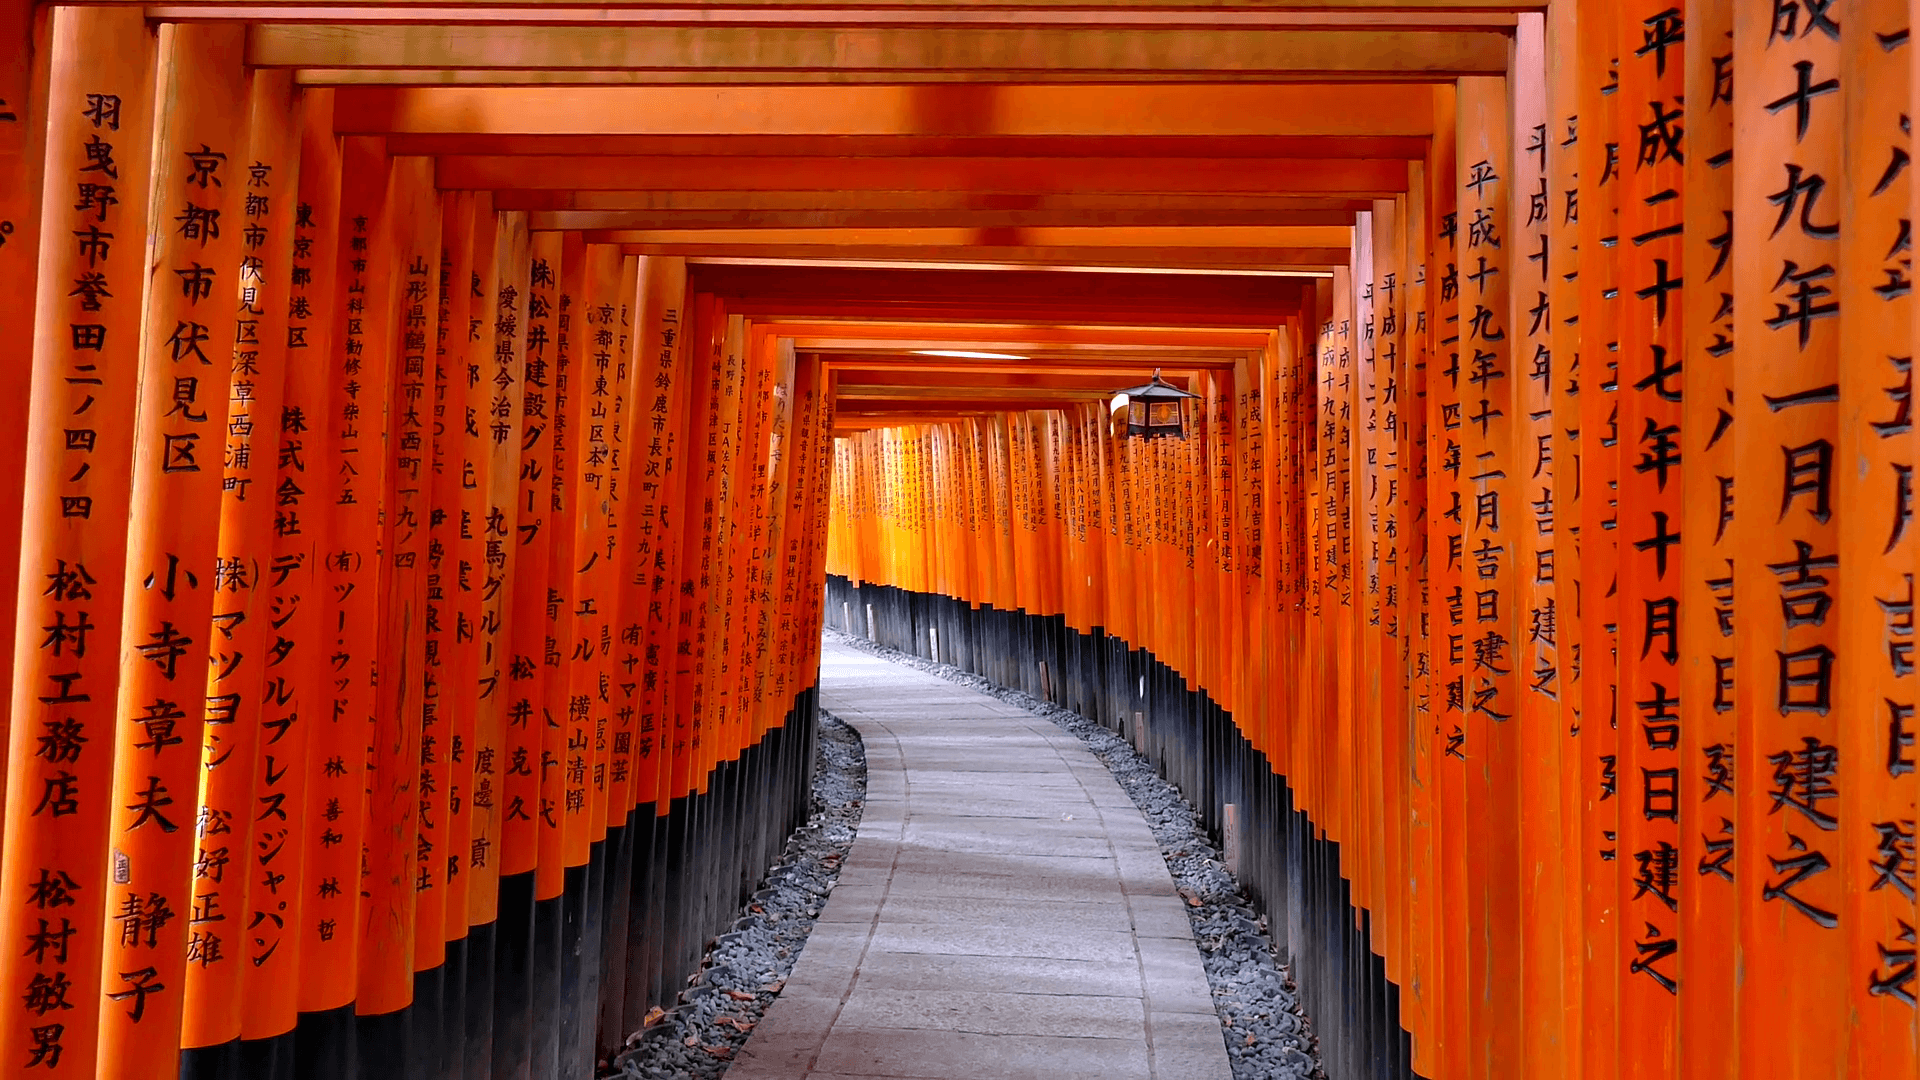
(1873, 585)
(498, 241)
(661, 463)
(356, 418)
(1445, 588)
(185, 370)
(1647, 525)
(1598, 453)
(1489, 576)
(73, 553)
(589, 640)
(1423, 928)
(1535, 532)
(527, 672)
(456, 564)
(1565, 359)
(1787, 298)
(246, 783)
(393, 857)
(294, 698)
(1709, 917)
(512, 850)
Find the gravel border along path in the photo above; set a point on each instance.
(746, 967)
(1267, 1032)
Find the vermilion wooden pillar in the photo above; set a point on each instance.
(511, 854)
(246, 786)
(1418, 998)
(1874, 593)
(498, 363)
(1709, 917)
(1446, 545)
(1535, 531)
(1356, 754)
(662, 461)
(1650, 394)
(699, 542)
(622, 657)
(1603, 790)
(185, 369)
(295, 697)
(356, 419)
(391, 862)
(529, 669)
(1789, 853)
(74, 538)
(591, 567)
(1565, 362)
(1491, 517)
(456, 575)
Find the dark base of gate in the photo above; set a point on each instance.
(1292, 872)
(552, 985)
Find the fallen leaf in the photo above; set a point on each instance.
(1249, 1041)
(1190, 898)
(693, 1040)
(739, 995)
(774, 987)
(722, 1052)
(654, 1016)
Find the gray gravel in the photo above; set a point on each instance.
(1267, 1032)
(746, 967)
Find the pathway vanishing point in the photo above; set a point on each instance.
(1004, 913)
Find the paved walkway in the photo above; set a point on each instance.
(1004, 913)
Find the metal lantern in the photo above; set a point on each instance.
(1153, 410)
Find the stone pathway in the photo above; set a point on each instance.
(1004, 913)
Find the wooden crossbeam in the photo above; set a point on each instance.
(1360, 178)
(556, 199)
(952, 52)
(1408, 147)
(703, 13)
(551, 8)
(935, 109)
(878, 393)
(1199, 258)
(1298, 236)
(968, 220)
(1040, 299)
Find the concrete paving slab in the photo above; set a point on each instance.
(1004, 913)
(1025, 974)
(992, 1012)
(941, 1055)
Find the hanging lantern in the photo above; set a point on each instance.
(1153, 410)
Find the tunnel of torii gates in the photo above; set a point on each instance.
(423, 537)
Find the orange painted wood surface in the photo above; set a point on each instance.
(524, 504)
(64, 718)
(156, 843)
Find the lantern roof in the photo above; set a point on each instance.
(1157, 390)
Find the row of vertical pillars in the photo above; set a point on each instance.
(554, 986)
(1288, 868)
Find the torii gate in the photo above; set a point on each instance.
(496, 504)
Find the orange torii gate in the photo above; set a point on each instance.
(529, 500)
(356, 846)
(1548, 676)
